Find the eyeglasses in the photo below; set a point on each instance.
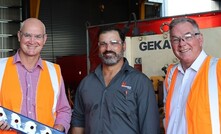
(186, 38)
(112, 43)
(29, 36)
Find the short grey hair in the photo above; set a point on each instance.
(176, 21)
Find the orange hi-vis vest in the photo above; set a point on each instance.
(47, 91)
(203, 106)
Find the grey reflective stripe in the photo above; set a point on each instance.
(213, 97)
(3, 62)
(55, 84)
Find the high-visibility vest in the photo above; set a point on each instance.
(47, 91)
(203, 111)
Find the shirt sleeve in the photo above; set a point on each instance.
(147, 108)
(63, 109)
(78, 118)
(164, 92)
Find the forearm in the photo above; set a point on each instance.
(64, 120)
(77, 130)
(148, 110)
(63, 110)
(60, 127)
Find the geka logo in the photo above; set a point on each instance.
(154, 45)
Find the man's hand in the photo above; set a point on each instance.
(4, 125)
(59, 127)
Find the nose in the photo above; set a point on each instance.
(182, 41)
(32, 39)
(108, 46)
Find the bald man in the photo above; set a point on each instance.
(26, 81)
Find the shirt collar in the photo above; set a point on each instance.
(125, 66)
(197, 63)
(17, 59)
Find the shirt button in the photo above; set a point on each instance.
(29, 112)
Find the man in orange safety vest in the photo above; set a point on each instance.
(192, 87)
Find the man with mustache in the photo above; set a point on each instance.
(115, 98)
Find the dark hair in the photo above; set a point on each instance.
(105, 29)
(176, 21)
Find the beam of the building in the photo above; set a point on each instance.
(34, 8)
(142, 9)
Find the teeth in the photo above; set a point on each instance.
(109, 54)
(31, 47)
(183, 51)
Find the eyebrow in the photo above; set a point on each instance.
(182, 35)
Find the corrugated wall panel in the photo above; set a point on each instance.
(65, 22)
(66, 34)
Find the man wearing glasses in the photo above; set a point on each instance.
(115, 98)
(31, 86)
(193, 86)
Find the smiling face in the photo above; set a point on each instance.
(111, 48)
(32, 38)
(189, 46)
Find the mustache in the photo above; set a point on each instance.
(106, 52)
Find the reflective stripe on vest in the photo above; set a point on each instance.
(53, 77)
(54, 81)
(170, 76)
(171, 68)
(2, 69)
(213, 97)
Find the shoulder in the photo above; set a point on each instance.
(219, 61)
(211, 61)
(136, 73)
(3, 60)
(218, 64)
(170, 70)
(90, 78)
(137, 77)
(52, 67)
(49, 63)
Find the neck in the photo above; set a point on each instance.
(110, 71)
(29, 61)
(185, 66)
